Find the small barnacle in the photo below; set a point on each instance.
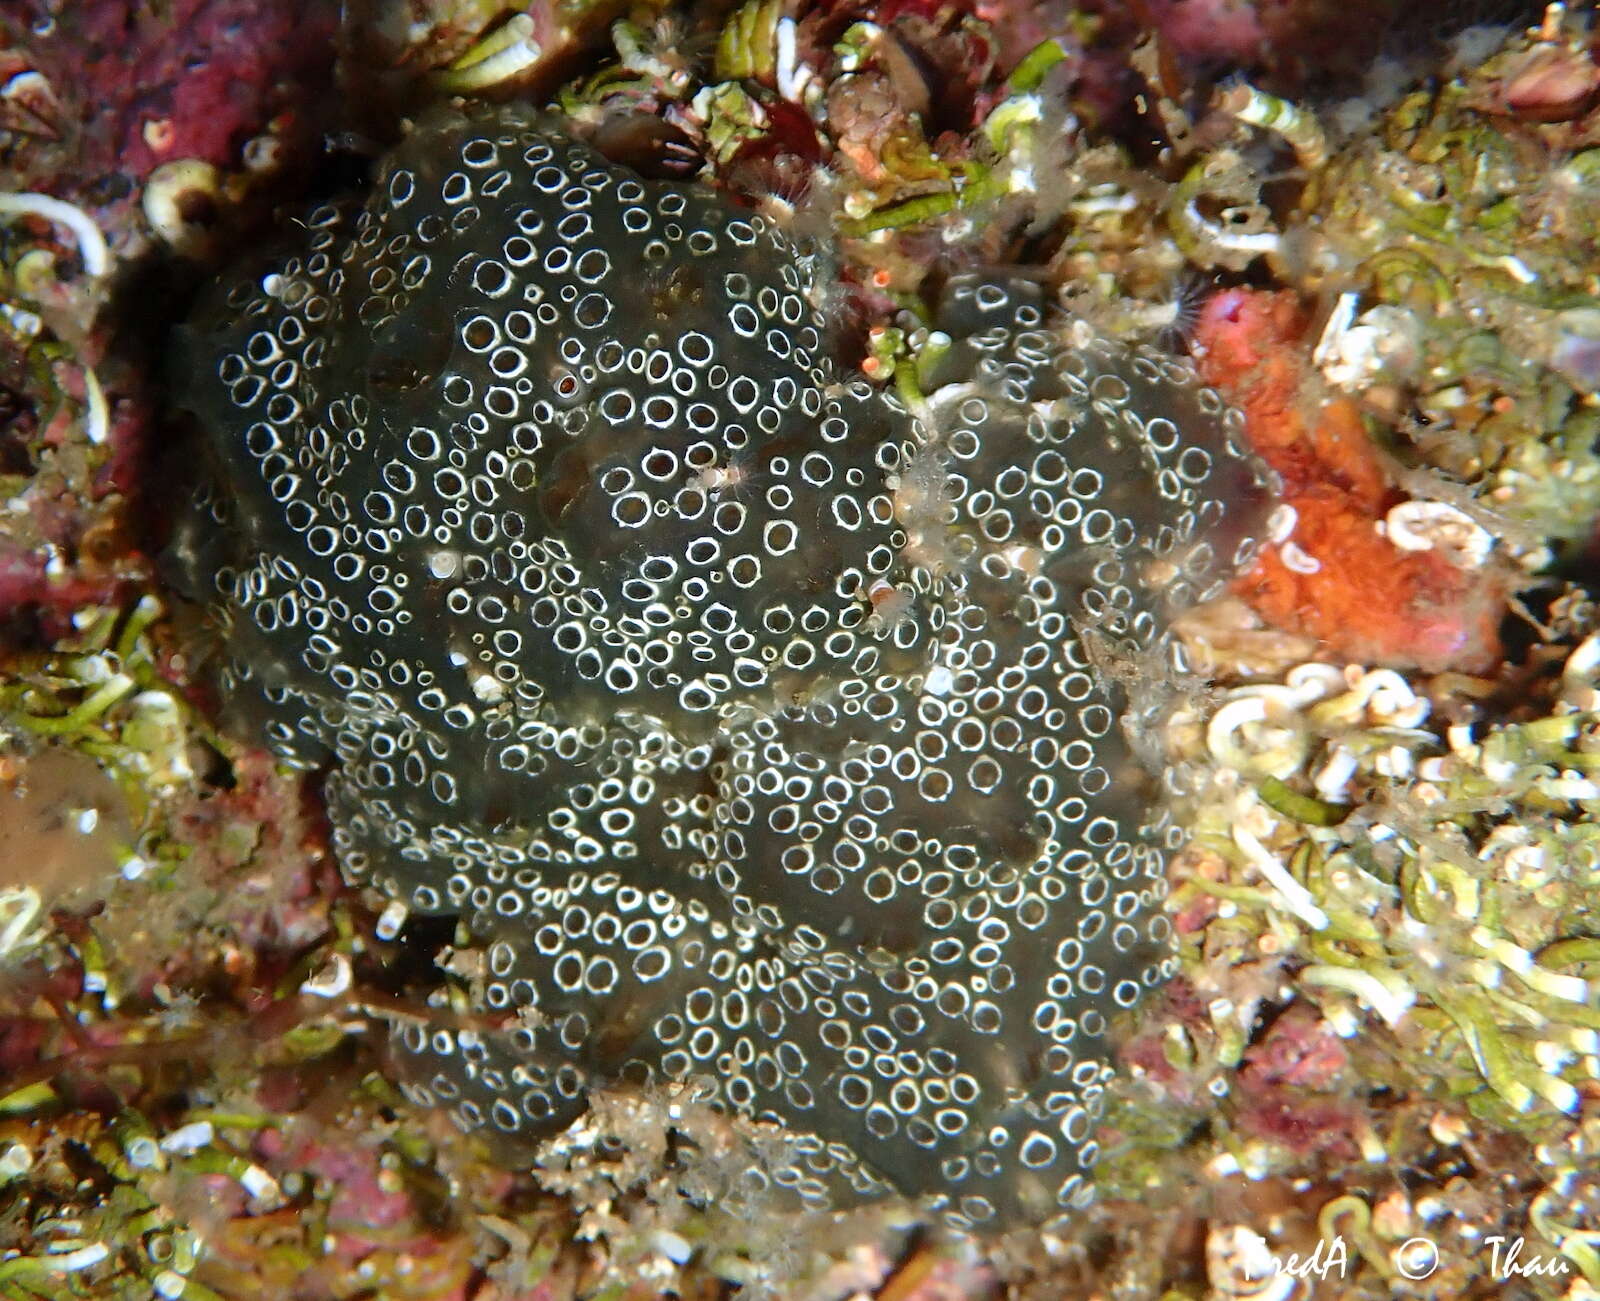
(1355, 352)
(180, 199)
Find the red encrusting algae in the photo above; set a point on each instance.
(1343, 581)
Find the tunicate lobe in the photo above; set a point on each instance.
(547, 521)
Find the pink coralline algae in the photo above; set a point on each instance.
(140, 84)
(1288, 1087)
(26, 585)
(1226, 31)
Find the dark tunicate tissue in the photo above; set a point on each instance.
(753, 718)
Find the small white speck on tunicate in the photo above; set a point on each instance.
(87, 821)
(443, 564)
(1028, 559)
(939, 681)
(390, 920)
(488, 689)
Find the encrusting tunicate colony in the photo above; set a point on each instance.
(758, 722)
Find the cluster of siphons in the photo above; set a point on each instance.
(757, 722)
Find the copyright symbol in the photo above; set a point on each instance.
(1417, 1258)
